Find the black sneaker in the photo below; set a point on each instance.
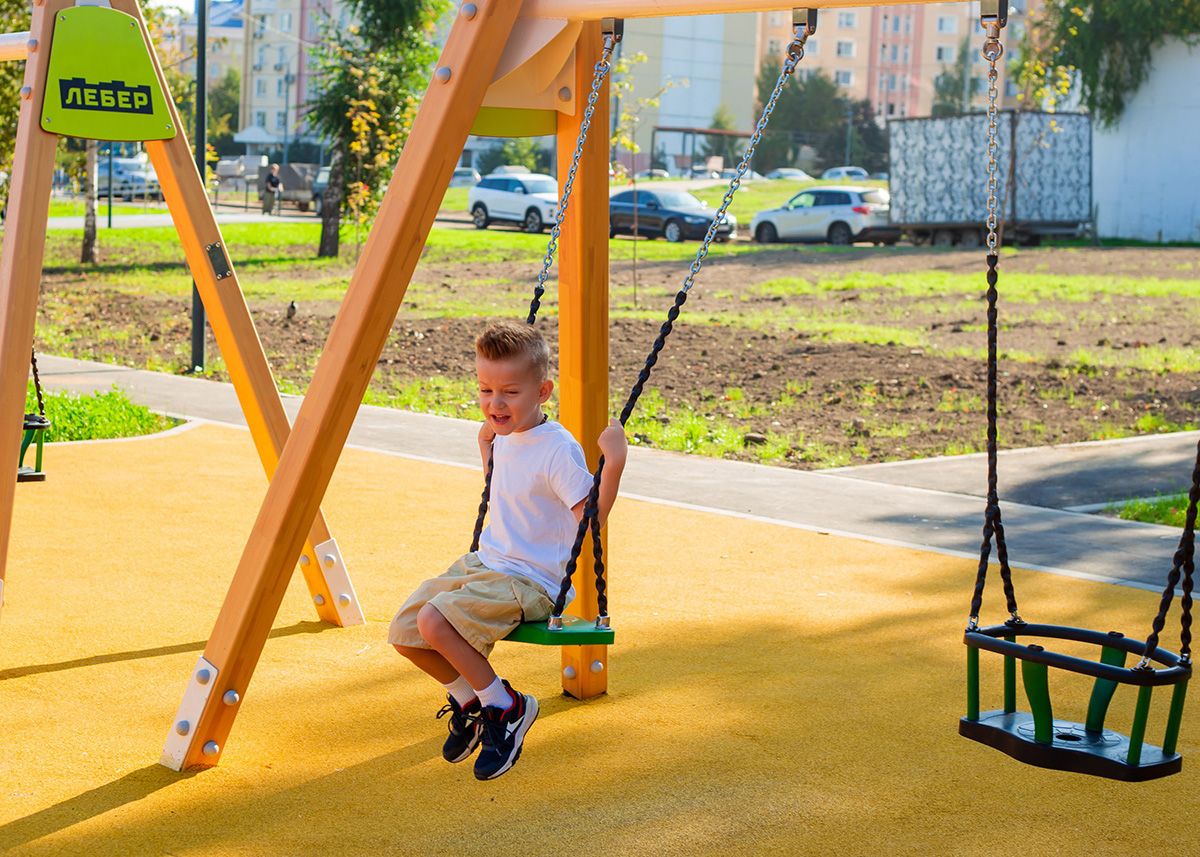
(503, 732)
(465, 729)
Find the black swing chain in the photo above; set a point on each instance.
(1185, 562)
(590, 521)
(993, 526)
(37, 383)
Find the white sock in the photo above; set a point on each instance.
(495, 695)
(461, 690)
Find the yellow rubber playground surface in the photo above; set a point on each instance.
(773, 690)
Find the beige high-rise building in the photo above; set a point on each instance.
(277, 71)
(891, 55)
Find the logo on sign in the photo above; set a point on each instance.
(112, 97)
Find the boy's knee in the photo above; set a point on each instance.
(431, 623)
(409, 652)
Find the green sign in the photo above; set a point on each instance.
(101, 84)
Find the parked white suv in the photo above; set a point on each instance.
(839, 215)
(528, 199)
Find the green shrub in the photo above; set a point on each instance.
(95, 416)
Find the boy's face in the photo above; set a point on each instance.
(510, 394)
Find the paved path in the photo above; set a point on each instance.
(930, 505)
(1080, 477)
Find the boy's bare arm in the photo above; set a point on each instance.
(486, 436)
(614, 447)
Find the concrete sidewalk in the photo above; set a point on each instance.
(930, 505)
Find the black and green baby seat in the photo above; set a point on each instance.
(1038, 737)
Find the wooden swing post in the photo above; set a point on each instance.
(583, 328)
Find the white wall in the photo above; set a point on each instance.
(1146, 172)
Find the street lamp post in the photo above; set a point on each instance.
(288, 80)
(201, 142)
(849, 129)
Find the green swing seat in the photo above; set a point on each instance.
(34, 427)
(575, 632)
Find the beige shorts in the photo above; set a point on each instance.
(482, 605)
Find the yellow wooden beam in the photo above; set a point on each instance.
(21, 259)
(583, 328)
(440, 131)
(595, 10)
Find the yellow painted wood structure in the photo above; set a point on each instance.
(20, 274)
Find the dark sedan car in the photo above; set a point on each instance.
(673, 214)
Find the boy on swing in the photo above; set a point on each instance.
(540, 481)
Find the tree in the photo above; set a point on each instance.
(370, 79)
(810, 113)
(869, 140)
(1103, 48)
(224, 103)
(88, 254)
(956, 86)
(518, 151)
(14, 17)
(728, 149)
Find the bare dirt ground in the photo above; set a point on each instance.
(832, 376)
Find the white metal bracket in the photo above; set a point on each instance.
(333, 569)
(183, 727)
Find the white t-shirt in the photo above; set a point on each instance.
(538, 476)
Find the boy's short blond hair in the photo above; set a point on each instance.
(505, 340)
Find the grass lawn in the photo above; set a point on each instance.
(95, 416)
(1169, 510)
(74, 208)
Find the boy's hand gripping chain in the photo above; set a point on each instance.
(804, 24)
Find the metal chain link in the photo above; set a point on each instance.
(992, 51)
(795, 53)
(602, 68)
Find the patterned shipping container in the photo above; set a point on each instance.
(939, 170)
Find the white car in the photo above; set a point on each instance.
(464, 177)
(839, 215)
(529, 199)
(789, 173)
(854, 174)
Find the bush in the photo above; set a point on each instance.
(96, 416)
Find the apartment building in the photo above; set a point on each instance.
(277, 72)
(710, 61)
(226, 37)
(892, 55)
